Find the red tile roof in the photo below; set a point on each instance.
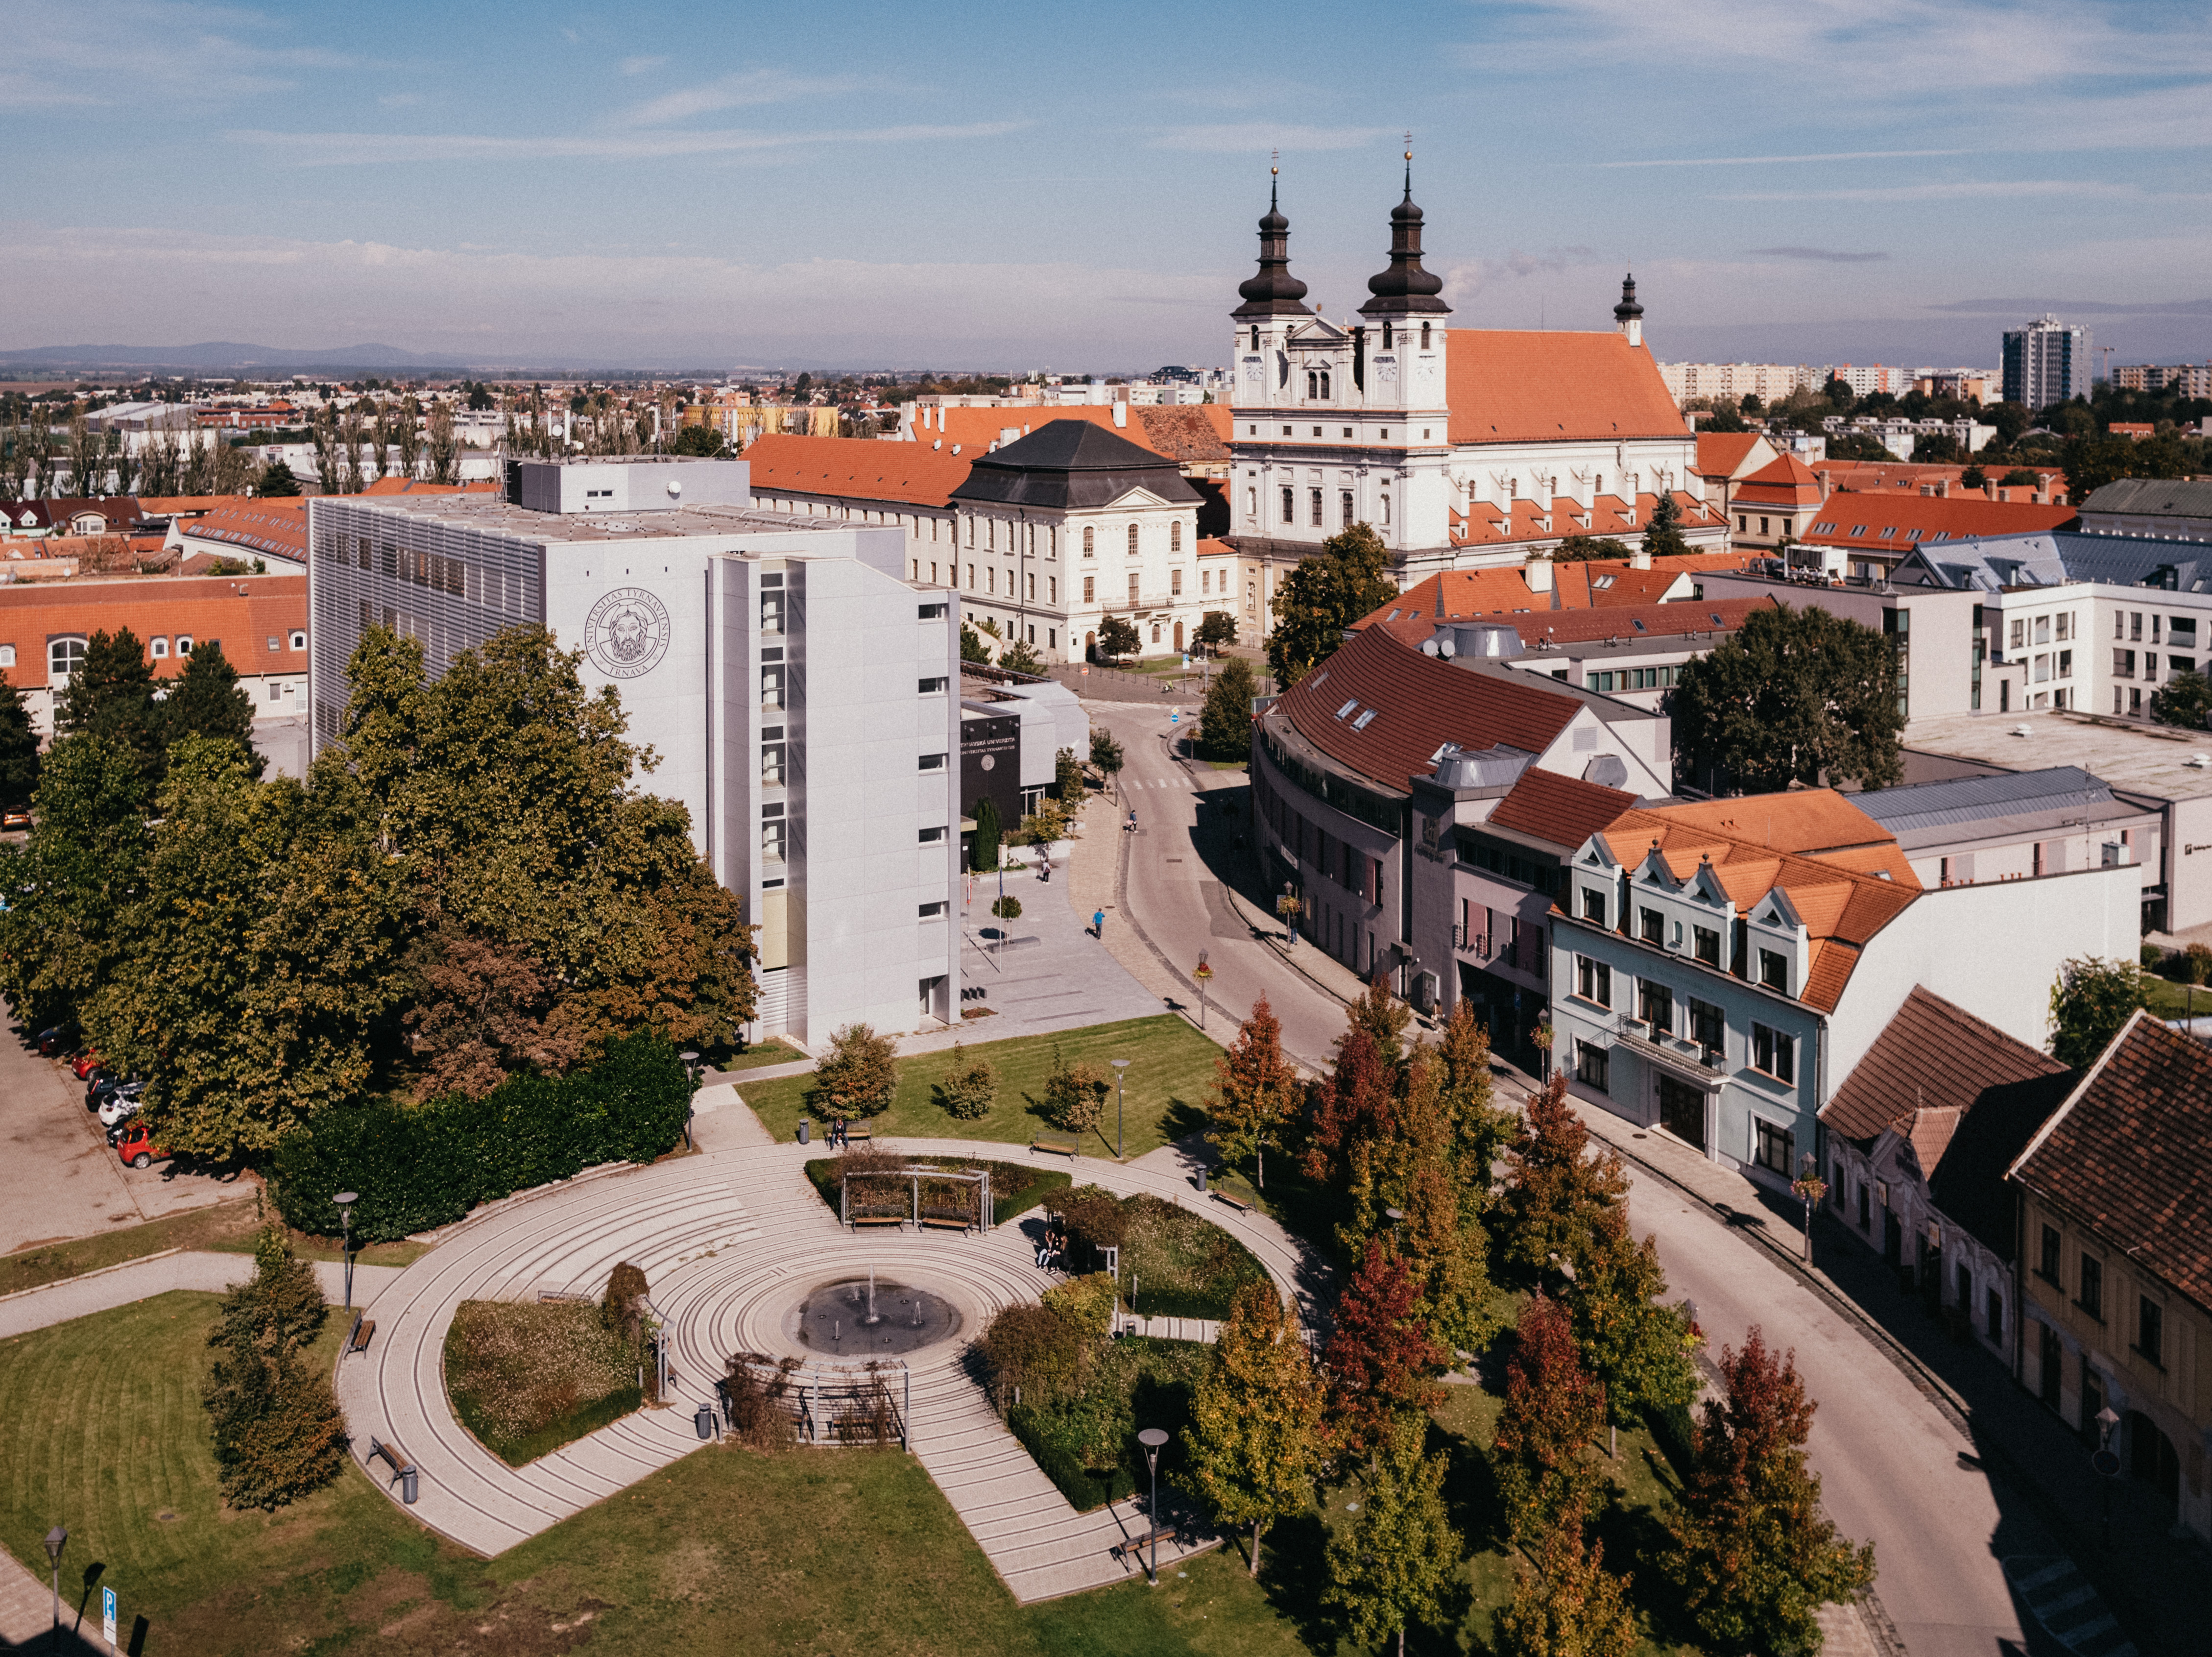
(1419, 704)
(278, 527)
(859, 468)
(1565, 811)
(1897, 523)
(1511, 385)
(1720, 452)
(1784, 481)
(1583, 624)
(2125, 1154)
(1484, 524)
(243, 611)
(1908, 476)
(1896, 1077)
(1189, 434)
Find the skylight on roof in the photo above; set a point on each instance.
(1716, 617)
(1362, 722)
(1604, 581)
(1638, 625)
(1858, 529)
(1347, 707)
(1824, 529)
(1319, 677)
(1888, 531)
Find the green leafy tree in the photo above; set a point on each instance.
(205, 700)
(276, 480)
(1973, 477)
(1663, 536)
(111, 696)
(1584, 549)
(859, 1075)
(2022, 477)
(972, 648)
(1639, 1350)
(18, 749)
(1796, 696)
(1553, 1409)
(62, 933)
(1938, 448)
(1725, 418)
(1393, 1565)
(702, 441)
(1254, 1089)
(1021, 657)
(1839, 394)
(1105, 752)
(1557, 1197)
(1568, 1605)
(1749, 1551)
(2185, 700)
(1753, 403)
(1215, 628)
(2091, 999)
(1224, 724)
(1322, 595)
(1254, 1441)
(983, 845)
(1117, 639)
(969, 1088)
(1008, 908)
(1075, 1094)
(1068, 777)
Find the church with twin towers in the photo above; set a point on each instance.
(1462, 447)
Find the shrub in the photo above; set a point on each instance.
(2199, 956)
(1087, 1302)
(2154, 958)
(1096, 1217)
(529, 1376)
(623, 1307)
(754, 1394)
(857, 1077)
(969, 1086)
(1007, 908)
(1035, 1354)
(418, 1166)
(1075, 1094)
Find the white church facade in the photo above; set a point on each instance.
(1462, 447)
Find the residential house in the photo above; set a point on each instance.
(1774, 506)
(1725, 459)
(1868, 535)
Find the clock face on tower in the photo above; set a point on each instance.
(1386, 368)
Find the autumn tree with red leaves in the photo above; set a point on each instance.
(1253, 1089)
(1553, 1409)
(1355, 1103)
(1557, 1195)
(1751, 1551)
(1569, 1606)
(1381, 1363)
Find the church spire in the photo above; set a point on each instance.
(1405, 288)
(1628, 315)
(1274, 291)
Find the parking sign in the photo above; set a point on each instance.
(107, 1616)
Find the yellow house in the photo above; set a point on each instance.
(2116, 1262)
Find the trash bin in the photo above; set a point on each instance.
(803, 1125)
(703, 1419)
(407, 1487)
(1201, 1181)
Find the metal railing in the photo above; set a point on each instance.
(1684, 1050)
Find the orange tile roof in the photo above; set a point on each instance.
(1583, 624)
(1897, 523)
(243, 611)
(1908, 476)
(1511, 385)
(1213, 546)
(1796, 847)
(1486, 594)
(1565, 811)
(277, 526)
(1784, 481)
(859, 468)
(1720, 452)
(1482, 523)
(173, 505)
(1189, 434)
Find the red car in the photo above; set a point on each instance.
(137, 1147)
(85, 1064)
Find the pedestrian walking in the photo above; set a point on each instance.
(1098, 925)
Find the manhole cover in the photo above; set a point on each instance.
(863, 1318)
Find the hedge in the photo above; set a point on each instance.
(418, 1166)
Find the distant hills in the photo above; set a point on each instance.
(218, 354)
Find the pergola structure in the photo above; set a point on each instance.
(826, 1403)
(930, 1196)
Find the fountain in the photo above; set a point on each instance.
(818, 1322)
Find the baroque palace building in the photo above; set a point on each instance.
(1462, 447)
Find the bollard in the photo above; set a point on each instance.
(1201, 1182)
(407, 1487)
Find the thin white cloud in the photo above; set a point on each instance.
(1819, 255)
(1950, 190)
(1253, 137)
(392, 149)
(745, 90)
(1769, 161)
(59, 51)
(641, 65)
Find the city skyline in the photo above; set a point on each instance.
(690, 184)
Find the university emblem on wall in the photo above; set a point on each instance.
(626, 635)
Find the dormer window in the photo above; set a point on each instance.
(1774, 970)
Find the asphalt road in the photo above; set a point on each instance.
(1890, 1461)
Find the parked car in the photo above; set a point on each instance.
(85, 1064)
(137, 1147)
(14, 819)
(56, 1038)
(92, 1084)
(121, 1105)
(96, 1093)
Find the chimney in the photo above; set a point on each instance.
(1641, 557)
(1538, 572)
(1121, 414)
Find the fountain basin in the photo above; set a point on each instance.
(832, 1320)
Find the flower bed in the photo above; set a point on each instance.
(527, 1378)
(1086, 1442)
(1179, 1264)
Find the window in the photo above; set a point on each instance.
(1089, 539)
(1089, 589)
(771, 756)
(159, 648)
(2017, 636)
(931, 836)
(2150, 1330)
(65, 656)
(1052, 589)
(1651, 927)
(933, 762)
(772, 833)
(1708, 1026)
(931, 911)
(2123, 664)
(276, 691)
(1593, 981)
(1029, 588)
(1593, 905)
(2134, 625)
(1133, 586)
(1386, 508)
(2091, 1299)
(1772, 1146)
(1175, 583)
(298, 640)
(2065, 664)
(7, 655)
(990, 579)
(1133, 540)
(929, 687)
(1655, 1005)
(1289, 504)
(771, 685)
(1344, 508)
(2046, 1265)
(274, 644)
(971, 577)
(1774, 970)
(184, 644)
(1315, 516)
(2066, 626)
(1174, 536)
(1251, 502)
(930, 612)
(1774, 1053)
(1993, 1317)
(1707, 944)
(1590, 1059)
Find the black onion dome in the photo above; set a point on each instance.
(1274, 291)
(1405, 288)
(1628, 309)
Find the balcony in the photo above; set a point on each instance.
(1691, 1059)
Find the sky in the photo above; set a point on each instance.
(1075, 186)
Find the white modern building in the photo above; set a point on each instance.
(796, 683)
(2046, 362)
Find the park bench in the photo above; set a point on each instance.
(402, 1470)
(1223, 1196)
(363, 1329)
(931, 1223)
(1065, 1144)
(860, 1220)
(859, 1134)
(1138, 1544)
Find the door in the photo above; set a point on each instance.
(1178, 638)
(1682, 1111)
(1892, 1238)
(2048, 1349)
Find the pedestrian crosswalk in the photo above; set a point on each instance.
(2060, 1597)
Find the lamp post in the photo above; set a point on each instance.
(345, 1200)
(1811, 1188)
(2106, 1462)
(57, 1540)
(1120, 1075)
(691, 1057)
(1153, 1439)
(1204, 975)
(1397, 1217)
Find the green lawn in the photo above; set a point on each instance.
(224, 1225)
(845, 1551)
(760, 1055)
(1171, 1075)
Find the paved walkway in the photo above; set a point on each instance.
(730, 1241)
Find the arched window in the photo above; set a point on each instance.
(1324, 385)
(1256, 335)
(64, 657)
(1313, 383)
(1174, 536)
(1133, 538)
(1425, 336)
(1089, 544)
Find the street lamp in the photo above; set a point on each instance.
(1120, 1075)
(57, 1540)
(1812, 1188)
(345, 1200)
(691, 1057)
(1153, 1439)
(1397, 1217)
